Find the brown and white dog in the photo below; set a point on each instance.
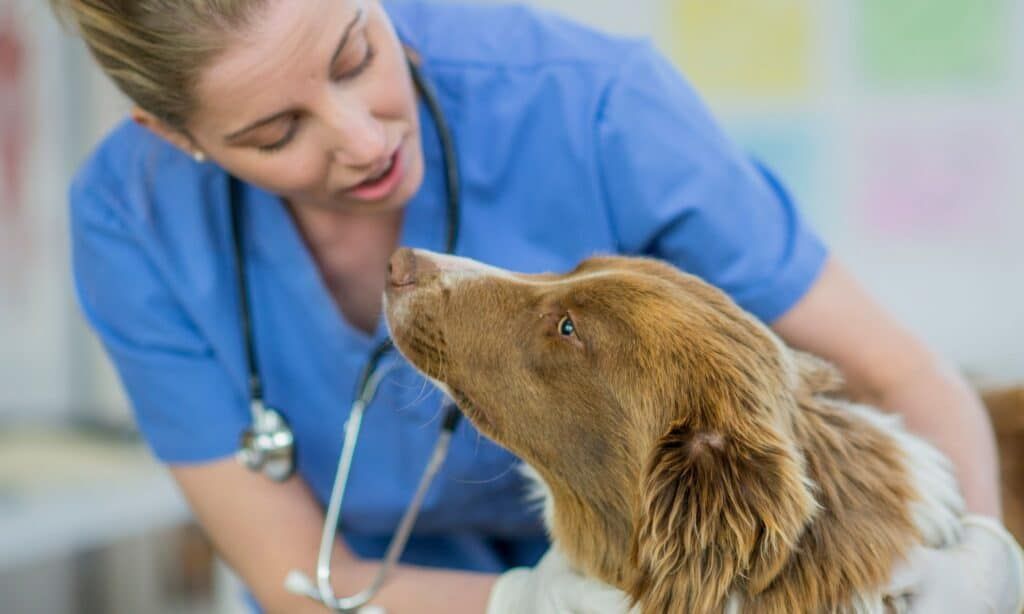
(687, 456)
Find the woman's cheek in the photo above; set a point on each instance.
(299, 174)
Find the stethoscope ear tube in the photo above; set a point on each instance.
(451, 166)
(268, 445)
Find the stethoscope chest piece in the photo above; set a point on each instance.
(268, 445)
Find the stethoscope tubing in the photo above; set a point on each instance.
(368, 382)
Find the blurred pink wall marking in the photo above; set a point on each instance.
(13, 115)
(935, 179)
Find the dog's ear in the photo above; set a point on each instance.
(718, 511)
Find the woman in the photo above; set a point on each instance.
(569, 142)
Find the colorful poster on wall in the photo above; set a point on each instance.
(744, 47)
(925, 43)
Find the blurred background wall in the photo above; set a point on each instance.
(896, 124)
(898, 127)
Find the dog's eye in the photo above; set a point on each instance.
(566, 327)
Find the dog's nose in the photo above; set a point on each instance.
(406, 269)
(402, 268)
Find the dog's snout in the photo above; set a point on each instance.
(402, 268)
(415, 268)
(407, 268)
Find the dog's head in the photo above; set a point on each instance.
(655, 410)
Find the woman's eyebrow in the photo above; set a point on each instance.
(334, 58)
(344, 40)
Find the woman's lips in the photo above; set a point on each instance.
(383, 186)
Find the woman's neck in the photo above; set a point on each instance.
(345, 233)
(351, 251)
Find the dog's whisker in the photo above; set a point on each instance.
(434, 418)
(423, 393)
(509, 469)
(428, 354)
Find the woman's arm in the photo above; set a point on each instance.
(264, 529)
(886, 366)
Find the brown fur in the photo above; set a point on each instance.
(1006, 408)
(690, 454)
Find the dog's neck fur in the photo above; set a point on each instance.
(590, 533)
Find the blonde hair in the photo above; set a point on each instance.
(155, 50)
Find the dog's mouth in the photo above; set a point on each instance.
(424, 346)
(432, 362)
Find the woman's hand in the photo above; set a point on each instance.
(552, 587)
(984, 573)
(265, 529)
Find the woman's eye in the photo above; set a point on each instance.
(280, 143)
(566, 327)
(363, 64)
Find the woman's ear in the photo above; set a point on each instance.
(175, 137)
(718, 511)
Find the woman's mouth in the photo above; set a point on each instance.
(384, 182)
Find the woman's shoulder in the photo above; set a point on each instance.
(132, 171)
(503, 36)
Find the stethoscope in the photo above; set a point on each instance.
(268, 445)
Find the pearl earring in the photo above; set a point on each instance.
(199, 156)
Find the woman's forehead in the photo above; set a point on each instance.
(266, 65)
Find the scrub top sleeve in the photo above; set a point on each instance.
(181, 395)
(678, 189)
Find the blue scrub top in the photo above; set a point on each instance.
(570, 142)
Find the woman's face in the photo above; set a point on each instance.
(314, 102)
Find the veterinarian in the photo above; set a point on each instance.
(568, 142)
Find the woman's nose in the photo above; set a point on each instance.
(362, 140)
